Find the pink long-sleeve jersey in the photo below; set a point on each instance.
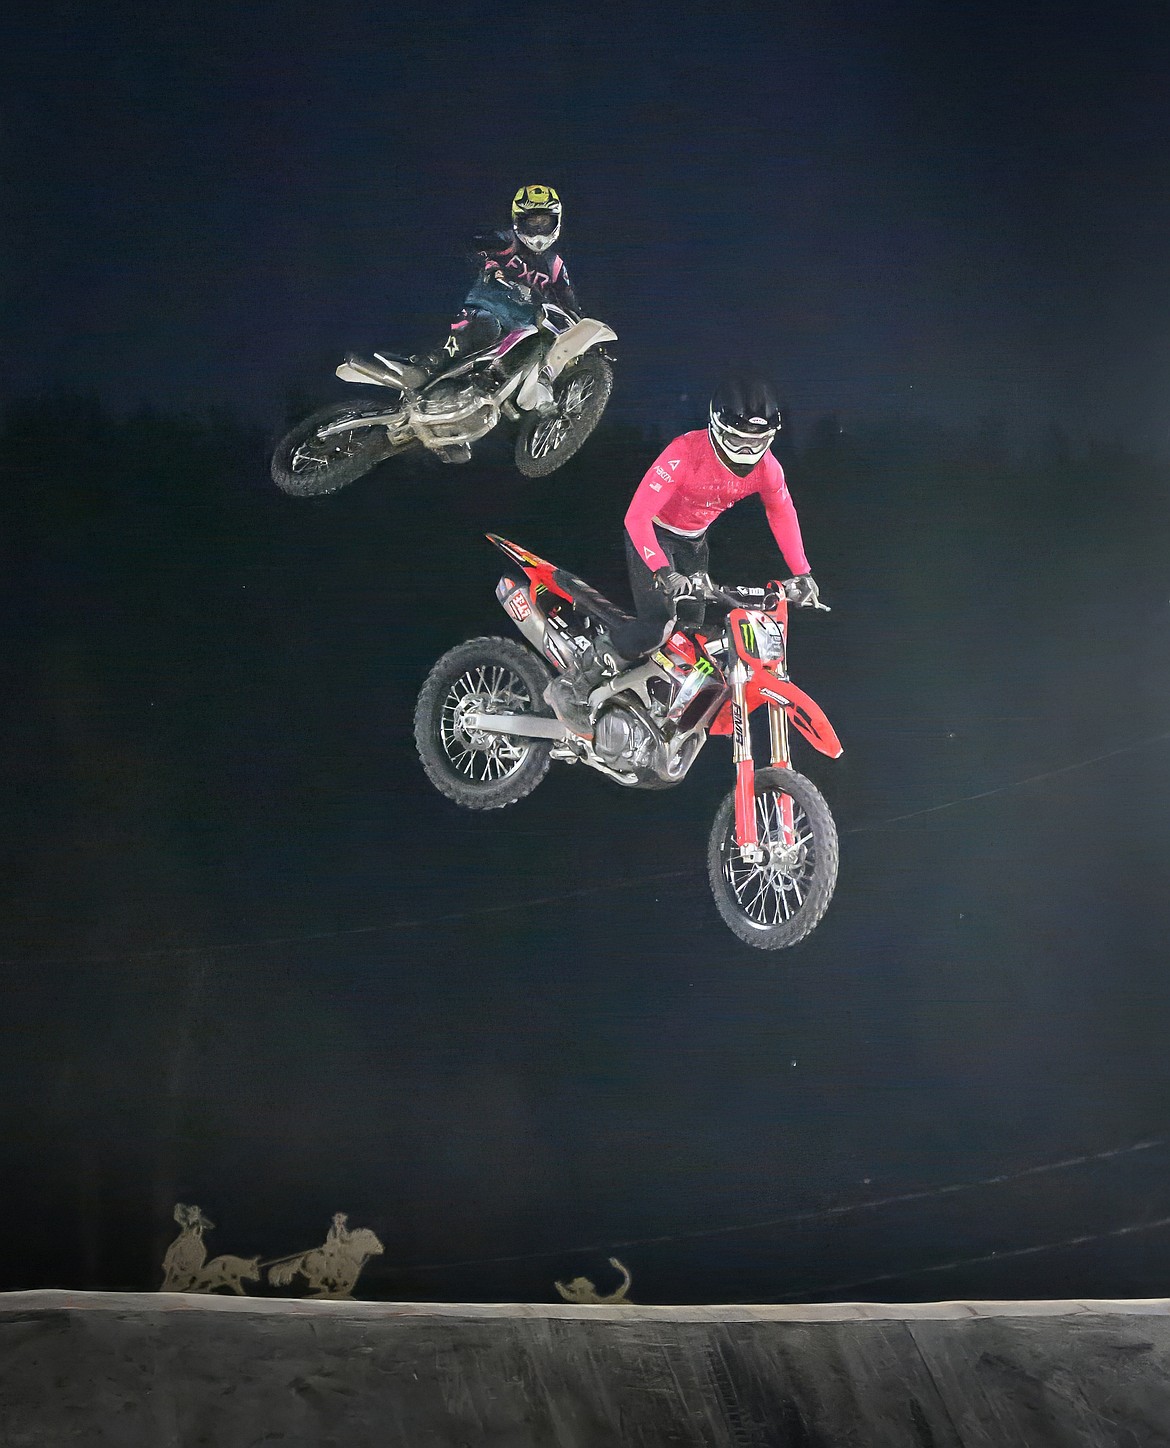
(687, 488)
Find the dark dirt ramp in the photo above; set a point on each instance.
(151, 1371)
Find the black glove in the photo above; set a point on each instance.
(803, 591)
(674, 585)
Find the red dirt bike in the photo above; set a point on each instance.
(486, 737)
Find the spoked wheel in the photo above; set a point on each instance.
(474, 768)
(776, 901)
(580, 393)
(306, 464)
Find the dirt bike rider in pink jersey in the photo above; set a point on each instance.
(518, 270)
(699, 476)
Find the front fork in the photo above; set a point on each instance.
(778, 736)
(746, 836)
(746, 832)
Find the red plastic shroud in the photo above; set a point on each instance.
(764, 687)
(539, 570)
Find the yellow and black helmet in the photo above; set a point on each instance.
(536, 217)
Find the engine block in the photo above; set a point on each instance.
(625, 740)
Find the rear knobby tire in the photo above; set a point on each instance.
(304, 469)
(581, 393)
(485, 771)
(780, 902)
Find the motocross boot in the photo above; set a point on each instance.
(568, 695)
(471, 331)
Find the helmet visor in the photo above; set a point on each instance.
(743, 439)
(537, 223)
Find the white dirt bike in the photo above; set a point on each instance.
(552, 378)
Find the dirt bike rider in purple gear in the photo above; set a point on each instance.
(696, 478)
(518, 271)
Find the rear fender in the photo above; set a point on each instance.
(352, 371)
(539, 570)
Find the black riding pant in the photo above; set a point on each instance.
(655, 611)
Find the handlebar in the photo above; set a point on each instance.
(747, 597)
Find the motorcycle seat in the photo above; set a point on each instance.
(586, 599)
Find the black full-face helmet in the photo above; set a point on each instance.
(536, 217)
(744, 418)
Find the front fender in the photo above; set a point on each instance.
(804, 711)
(574, 342)
(763, 687)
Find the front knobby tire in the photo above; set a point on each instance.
(581, 393)
(482, 771)
(776, 903)
(305, 466)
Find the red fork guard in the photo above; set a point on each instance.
(745, 804)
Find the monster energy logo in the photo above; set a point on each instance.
(694, 682)
(748, 634)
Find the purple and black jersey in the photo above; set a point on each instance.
(513, 278)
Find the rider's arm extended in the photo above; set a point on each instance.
(654, 489)
(487, 245)
(782, 517)
(490, 251)
(561, 289)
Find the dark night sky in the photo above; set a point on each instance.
(250, 959)
(897, 208)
